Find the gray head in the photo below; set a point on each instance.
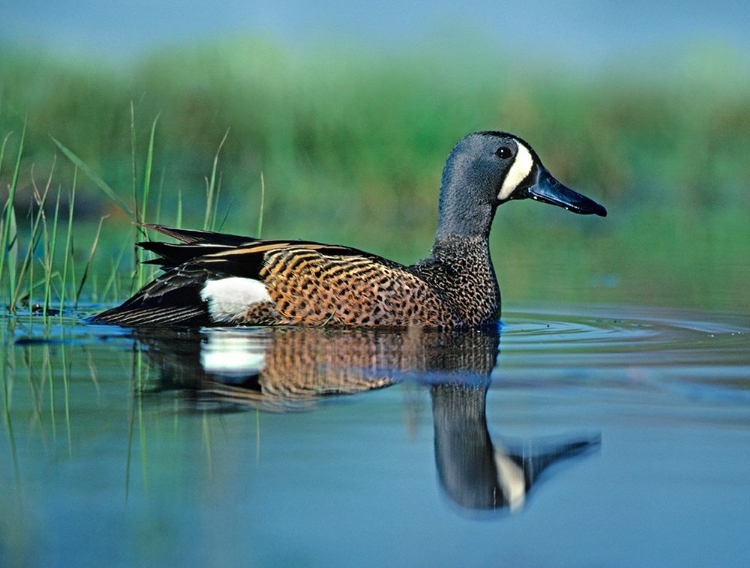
(486, 169)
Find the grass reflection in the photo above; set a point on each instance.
(8, 371)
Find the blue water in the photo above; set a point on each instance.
(624, 435)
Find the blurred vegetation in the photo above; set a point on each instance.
(351, 146)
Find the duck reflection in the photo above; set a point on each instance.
(283, 369)
(478, 473)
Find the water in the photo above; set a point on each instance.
(608, 436)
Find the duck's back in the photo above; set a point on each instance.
(214, 279)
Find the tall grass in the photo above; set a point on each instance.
(40, 243)
(351, 146)
(18, 284)
(353, 136)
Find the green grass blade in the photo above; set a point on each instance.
(262, 204)
(159, 198)
(133, 148)
(68, 241)
(111, 281)
(147, 170)
(36, 235)
(211, 186)
(50, 255)
(178, 217)
(100, 183)
(10, 252)
(10, 219)
(215, 208)
(90, 260)
(2, 149)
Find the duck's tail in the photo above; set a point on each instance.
(174, 298)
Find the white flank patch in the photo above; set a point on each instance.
(233, 354)
(519, 169)
(511, 479)
(229, 297)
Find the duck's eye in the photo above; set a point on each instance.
(503, 152)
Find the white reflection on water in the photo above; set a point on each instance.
(232, 354)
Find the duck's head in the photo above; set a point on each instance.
(487, 169)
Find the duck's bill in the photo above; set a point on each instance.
(548, 190)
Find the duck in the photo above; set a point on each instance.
(218, 279)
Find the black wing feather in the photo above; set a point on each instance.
(195, 236)
(172, 298)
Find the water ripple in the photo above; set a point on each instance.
(635, 347)
(536, 330)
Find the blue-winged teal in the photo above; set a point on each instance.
(220, 279)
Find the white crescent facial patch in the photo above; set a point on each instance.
(519, 169)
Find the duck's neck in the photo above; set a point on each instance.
(459, 267)
(457, 217)
(462, 238)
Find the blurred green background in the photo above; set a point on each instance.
(350, 135)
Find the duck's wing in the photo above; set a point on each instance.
(218, 279)
(233, 255)
(196, 236)
(192, 243)
(173, 298)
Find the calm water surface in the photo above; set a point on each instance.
(604, 437)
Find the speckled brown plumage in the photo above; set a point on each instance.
(460, 271)
(219, 279)
(310, 288)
